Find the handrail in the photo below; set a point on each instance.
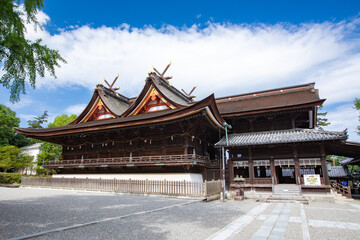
(161, 159)
(345, 191)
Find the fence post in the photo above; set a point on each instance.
(184, 192)
(206, 188)
(349, 191)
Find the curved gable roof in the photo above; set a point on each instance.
(207, 106)
(168, 92)
(115, 103)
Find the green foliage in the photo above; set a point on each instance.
(357, 107)
(36, 123)
(51, 151)
(334, 158)
(22, 59)
(8, 121)
(8, 136)
(62, 120)
(9, 178)
(40, 171)
(10, 158)
(20, 141)
(322, 121)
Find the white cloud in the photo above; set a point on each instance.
(27, 117)
(228, 58)
(344, 117)
(25, 102)
(224, 59)
(75, 109)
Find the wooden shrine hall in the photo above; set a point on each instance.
(165, 134)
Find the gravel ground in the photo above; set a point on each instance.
(60, 208)
(31, 210)
(342, 212)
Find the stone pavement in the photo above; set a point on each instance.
(318, 220)
(69, 214)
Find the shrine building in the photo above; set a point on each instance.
(165, 134)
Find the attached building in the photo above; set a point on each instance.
(164, 134)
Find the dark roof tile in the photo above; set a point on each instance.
(280, 136)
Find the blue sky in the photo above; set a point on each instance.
(223, 47)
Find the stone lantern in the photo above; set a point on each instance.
(239, 187)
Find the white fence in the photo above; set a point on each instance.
(181, 188)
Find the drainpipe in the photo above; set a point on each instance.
(223, 156)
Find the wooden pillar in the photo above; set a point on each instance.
(296, 165)
(186, 144)
(323, 165)
(251, 167)
(163, 145)
(273, 169)
(251, 125)
(231, 171)
(204, 173)
(271, 119)
(293, 121)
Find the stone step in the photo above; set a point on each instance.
(294, 199)
(286, 190)
(287, 193)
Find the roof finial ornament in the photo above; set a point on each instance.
(111, 86)
(161, 75)
(189, 94)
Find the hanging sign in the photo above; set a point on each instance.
(312, 180)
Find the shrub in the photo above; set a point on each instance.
(9, 178)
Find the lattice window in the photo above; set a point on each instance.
(284, 162)
(264, 163)
(310, 161)
(241, 163)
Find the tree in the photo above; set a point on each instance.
(51, 151)
(357, 107)
(22, 59)
(10, 158)
(38, 121)
(8, 136)
(62, 120)
(321, 120)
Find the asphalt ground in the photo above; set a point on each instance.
(99, 215)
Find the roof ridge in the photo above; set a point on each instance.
(112, 93)
(293, 130)
(265, 93)
(169, 87)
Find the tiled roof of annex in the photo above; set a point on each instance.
(280, 137)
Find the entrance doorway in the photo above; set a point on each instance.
(285, 171)
(285, 174)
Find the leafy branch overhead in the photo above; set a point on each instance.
(36, 123)
(322, 121)
(23, 60)
(357, 107)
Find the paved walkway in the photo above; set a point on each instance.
(318, 220)
(44, 214)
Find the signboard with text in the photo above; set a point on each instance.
(312, 180)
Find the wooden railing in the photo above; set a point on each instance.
(130, 161)
(183, 188)
(345, 191)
